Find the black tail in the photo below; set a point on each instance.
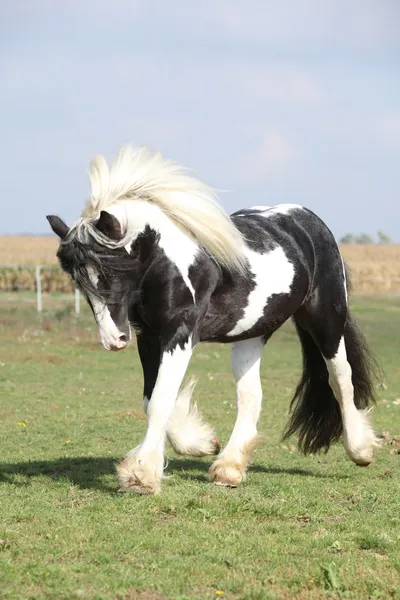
(316, 415)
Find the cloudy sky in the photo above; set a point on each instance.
(289, 101)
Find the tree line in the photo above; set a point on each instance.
(364, 238)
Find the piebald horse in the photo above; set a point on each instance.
(154, 251)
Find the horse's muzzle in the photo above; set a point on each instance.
(120, 343)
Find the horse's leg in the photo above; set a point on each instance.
(186, 431)
(148, 344)
(358, 436)
(325, 328)
(142, 469)
(230, 467)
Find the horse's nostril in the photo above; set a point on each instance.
(123, 338)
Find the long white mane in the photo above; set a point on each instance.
(139, 174)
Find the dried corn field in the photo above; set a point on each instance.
(374, 268)
(28, 251)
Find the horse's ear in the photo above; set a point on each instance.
(58, 226)
(109, 226)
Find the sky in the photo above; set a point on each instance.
(292, 101)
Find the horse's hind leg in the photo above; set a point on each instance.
(327, 332)
(358, 436)
(230, 467)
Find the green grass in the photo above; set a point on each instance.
(306, 528)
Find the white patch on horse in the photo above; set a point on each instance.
(109, 334)
(273, 274)
(279, 209)
(257, 209)
(179, 247)
(359, 438)
(269, 211)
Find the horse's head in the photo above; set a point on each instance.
(102, 271)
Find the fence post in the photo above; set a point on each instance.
(77, 301)
(38, 289)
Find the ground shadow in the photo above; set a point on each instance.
(90, 472)
(85, 472)
(184, 468)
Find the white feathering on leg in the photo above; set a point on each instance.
(186, 431)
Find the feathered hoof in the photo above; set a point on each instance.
(362, 451)
(228, 474)
(135, 476)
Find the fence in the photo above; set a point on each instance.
(38, 269)
(361, 284)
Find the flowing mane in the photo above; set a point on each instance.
(139, 174)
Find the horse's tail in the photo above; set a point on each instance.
(316, 416)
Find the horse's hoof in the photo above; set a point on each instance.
(363, 458)
(226, 483)
(226, 474)
(363, 462)
(137, 489)
(133, 476)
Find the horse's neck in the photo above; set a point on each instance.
(136, 216)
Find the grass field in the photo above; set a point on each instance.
(374, 268)
(299, 528)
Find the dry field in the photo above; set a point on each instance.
(30, 251)
(374, 268)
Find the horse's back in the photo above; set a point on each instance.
(305, 239)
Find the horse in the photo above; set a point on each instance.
(154, 251)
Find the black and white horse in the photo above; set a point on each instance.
(154, 250)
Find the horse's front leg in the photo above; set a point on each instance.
(141, 470)
(230, 467)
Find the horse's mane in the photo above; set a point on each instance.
(139, 174)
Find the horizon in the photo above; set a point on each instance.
(374, 237)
